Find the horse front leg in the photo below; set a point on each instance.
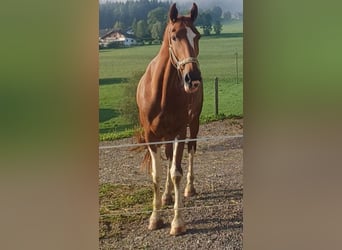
(167, 197)
(177, 225)
(155, 221)
(190, 189)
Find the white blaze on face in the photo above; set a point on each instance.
(191, 35)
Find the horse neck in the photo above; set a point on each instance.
(164, 57)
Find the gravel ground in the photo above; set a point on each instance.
(213, 217)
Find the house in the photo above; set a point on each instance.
(116, 38)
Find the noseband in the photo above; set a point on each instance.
(180, 64)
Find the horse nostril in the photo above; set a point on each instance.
(196, 84)
(187, 78)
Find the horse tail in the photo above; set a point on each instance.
(146, 164)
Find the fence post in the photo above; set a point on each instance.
(237, 69)
(216, 96)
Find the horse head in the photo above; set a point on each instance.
(183, 38)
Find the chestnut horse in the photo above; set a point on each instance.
(169, 98)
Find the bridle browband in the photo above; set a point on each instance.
(178, 64)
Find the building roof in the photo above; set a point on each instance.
(107, 32)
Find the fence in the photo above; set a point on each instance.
(216, 98)
(165, 142)
(130, 212)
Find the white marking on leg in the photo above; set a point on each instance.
(167, 198)
(174, 172)
(156, 176)
(177, 225)
(189, 189)
(191, 35)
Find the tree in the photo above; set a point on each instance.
(216, 13)
(157, 30)
(204, 20)
(106, 19)
(118, 26)
(217, 27)
(156, 20)
(142, 31)
(227, 16)
(134, 26)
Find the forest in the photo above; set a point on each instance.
(146, 19)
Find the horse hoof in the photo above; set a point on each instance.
(166, 200)
(189, 192)
(155, 224)
(177, 230)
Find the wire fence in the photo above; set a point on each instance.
(165, 142)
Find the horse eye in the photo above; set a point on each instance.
(174, 38)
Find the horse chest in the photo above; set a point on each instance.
(169, 121)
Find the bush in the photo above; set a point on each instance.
(156, 42)
(129, 108)
(113, 45)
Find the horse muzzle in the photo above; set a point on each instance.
(191, 84)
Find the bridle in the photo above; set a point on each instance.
(179, 64)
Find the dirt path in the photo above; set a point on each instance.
(213, 217)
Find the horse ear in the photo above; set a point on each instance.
(173, 14)
(194, 12)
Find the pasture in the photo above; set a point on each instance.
(217, 59)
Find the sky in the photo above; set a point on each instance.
(231, 5)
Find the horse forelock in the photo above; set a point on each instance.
(183, 20)
(182, 24)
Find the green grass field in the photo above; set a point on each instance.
(234, 26)
(217, 59)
